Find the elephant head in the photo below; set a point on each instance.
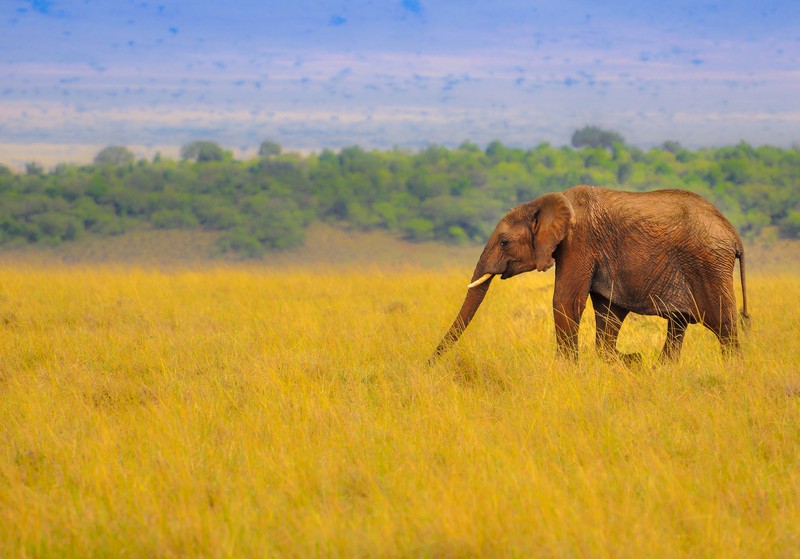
(524, 240)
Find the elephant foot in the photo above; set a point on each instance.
(568, 354)
(627, 359)
(631, 359)
(668, 357)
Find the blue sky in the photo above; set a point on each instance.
(78, 74)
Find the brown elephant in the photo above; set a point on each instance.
(668, 253)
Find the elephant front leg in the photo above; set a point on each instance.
(567, 315)
(573, 281)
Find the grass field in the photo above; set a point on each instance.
(234, 411)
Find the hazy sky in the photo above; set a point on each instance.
(77, 74)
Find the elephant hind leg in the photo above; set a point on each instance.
(676, 330)
(722, 321)
(608, 320)
(728, 337)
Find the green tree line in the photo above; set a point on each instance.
(436, 193)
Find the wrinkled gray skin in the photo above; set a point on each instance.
(668, 253)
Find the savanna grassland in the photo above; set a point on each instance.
(243, 410)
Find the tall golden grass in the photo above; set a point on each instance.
(237, 411)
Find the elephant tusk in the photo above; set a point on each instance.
(480, 280)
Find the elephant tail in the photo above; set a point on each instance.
(745, 316)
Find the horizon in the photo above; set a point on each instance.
(153, 76)
(85, 154)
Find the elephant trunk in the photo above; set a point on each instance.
(475, 294)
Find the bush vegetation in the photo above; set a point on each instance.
(454, 195)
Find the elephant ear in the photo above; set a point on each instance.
(552, 217)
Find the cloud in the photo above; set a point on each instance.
(41, 6)
(413, 6)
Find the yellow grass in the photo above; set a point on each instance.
(237, 411)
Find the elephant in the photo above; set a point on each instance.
(668, 253)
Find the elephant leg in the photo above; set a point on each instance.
(676, 330)
(608, 319)
(721, 319)
(567, 313)
(566, 332)
(571, 292)
(728, 336)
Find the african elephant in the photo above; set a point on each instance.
(668, 253)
